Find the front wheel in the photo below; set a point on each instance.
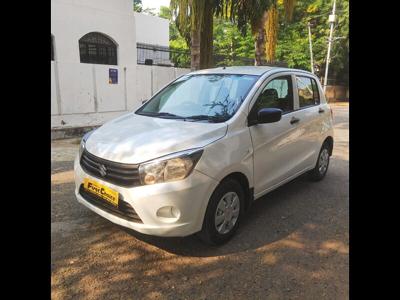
(223, 213)
(321, 167)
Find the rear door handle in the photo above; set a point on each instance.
(294, 120)
(321, 110)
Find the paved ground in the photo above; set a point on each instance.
(293, 244)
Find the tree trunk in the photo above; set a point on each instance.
(195, 49)
(259, 47)
(196, 24)
(206, 38)
(260, 42)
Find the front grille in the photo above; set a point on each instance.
(124, 209)
(126, 175)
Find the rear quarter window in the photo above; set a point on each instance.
(308, 91)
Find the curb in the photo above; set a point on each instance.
(70, 132)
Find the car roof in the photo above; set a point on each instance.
(245, 70)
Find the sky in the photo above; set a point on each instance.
(155, 4)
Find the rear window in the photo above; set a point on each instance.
(315, 91)
(308, 91)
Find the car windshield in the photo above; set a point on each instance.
(205, 97)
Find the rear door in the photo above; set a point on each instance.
(310, 115)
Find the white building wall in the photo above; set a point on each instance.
(81, 94)
(79, 89)
(148, 81)
(152, 30)
(143, 82)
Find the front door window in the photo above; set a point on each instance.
(278, 93)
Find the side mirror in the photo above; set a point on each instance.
(144, 101)
(269, 115)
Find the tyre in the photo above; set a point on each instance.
(223, 214)
(321, 167)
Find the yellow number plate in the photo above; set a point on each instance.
(102, 191)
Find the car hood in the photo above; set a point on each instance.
(133, 138)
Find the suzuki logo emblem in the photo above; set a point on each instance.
(103, 170)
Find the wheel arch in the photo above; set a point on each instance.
(244, 182)
(329, 142)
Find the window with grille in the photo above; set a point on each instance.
(96, 48)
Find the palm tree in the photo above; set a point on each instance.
(271, 25)
(262, 15)
(206, 38)
(257, 17)
(194, 22)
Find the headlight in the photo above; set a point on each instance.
(83, 142)
(169, 168)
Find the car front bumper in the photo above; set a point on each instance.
(189, 197)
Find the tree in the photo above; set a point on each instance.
(206, 35)
(137, 5)
(165, 12)
(231, 48)
(235, 34)
(252, 12)
(265, 27)
(177, 44)
(194, 21)
(293, 38)
(262, 15)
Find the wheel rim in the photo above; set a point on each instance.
(227, 212)
(323, 161)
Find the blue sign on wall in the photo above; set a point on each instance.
(113, 76)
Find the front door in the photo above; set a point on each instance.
(274, 144)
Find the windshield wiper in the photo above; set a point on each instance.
(162, 114)
(167, 114)
(207, 118)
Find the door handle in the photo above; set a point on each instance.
(294, 120)
(321, 110)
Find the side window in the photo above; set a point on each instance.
(308, 91)
(317, 100)
(278, 93)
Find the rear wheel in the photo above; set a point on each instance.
(223, 213)
(321, 167)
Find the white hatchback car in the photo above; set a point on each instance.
(195, 156)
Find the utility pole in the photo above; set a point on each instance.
(332, 21)
(311, 54)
